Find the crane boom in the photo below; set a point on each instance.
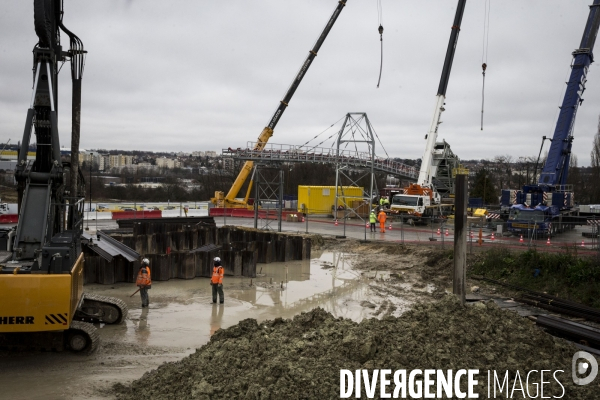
(426, 174)
(267, 132)
(422, 196)
(556, 168)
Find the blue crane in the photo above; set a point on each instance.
(556, 168)
(538, 205)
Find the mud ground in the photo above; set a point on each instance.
(349, 279)
(181, 318)
(301, 358)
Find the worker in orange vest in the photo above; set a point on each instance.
(217, 281)
(381, 217)
(144, 281)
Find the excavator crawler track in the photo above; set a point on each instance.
(97, 308)
(82, 337)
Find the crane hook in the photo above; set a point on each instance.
(380, 29)
(483, 67)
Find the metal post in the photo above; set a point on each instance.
(224, 213)
(470, 239)
(345, 217)
(402, 228)
(460, 245)
(87, 228)
(306, 218)
(280, 199)
(432, 229)
(256, 197)
(442, 234)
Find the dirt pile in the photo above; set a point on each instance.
(301, 358)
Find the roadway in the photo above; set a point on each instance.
(401, 233)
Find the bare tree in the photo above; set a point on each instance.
(595, 153)
(595, 164)
(504, 167)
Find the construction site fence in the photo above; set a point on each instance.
(583, 239)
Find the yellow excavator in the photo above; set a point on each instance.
(42, 303)
(230, 201)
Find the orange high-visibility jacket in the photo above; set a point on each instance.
(382, 217)
(217, 276)
(143, 277)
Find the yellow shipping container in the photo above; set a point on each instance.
(320, 199)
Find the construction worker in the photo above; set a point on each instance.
(144, 281)
(381, 217)
(386, 202)
(372, 220)
(217, 281)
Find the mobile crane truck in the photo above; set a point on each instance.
(42, 304)
(543, 208)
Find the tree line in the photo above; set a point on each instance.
(506, 172)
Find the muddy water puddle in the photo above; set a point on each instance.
(181, 317)
(181, 312)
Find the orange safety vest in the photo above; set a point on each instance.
(382, 217)
(143, 277)
(217, 276)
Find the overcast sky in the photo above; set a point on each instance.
(207, 75)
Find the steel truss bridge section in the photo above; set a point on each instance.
(287, 153)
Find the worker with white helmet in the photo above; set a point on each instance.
(217, 281)
(144, 281)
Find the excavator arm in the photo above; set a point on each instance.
(229, 200)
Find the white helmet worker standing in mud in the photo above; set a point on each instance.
(144, 281)
(217, 281)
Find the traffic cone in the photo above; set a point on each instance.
(438, 232)
(336, 224)
(471, 235)
(582, 243)
(390, 227)
(548, 241)
(447, 232)
(521, 239)
(493, 236)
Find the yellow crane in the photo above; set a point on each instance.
(230, 200)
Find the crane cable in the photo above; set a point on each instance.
(380, 29)
(484, 52)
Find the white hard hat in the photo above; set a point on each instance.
(145, 261)
(217, 259)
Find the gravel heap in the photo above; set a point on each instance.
(301, 358)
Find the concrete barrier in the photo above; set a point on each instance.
(136, 214)
(9, 218)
